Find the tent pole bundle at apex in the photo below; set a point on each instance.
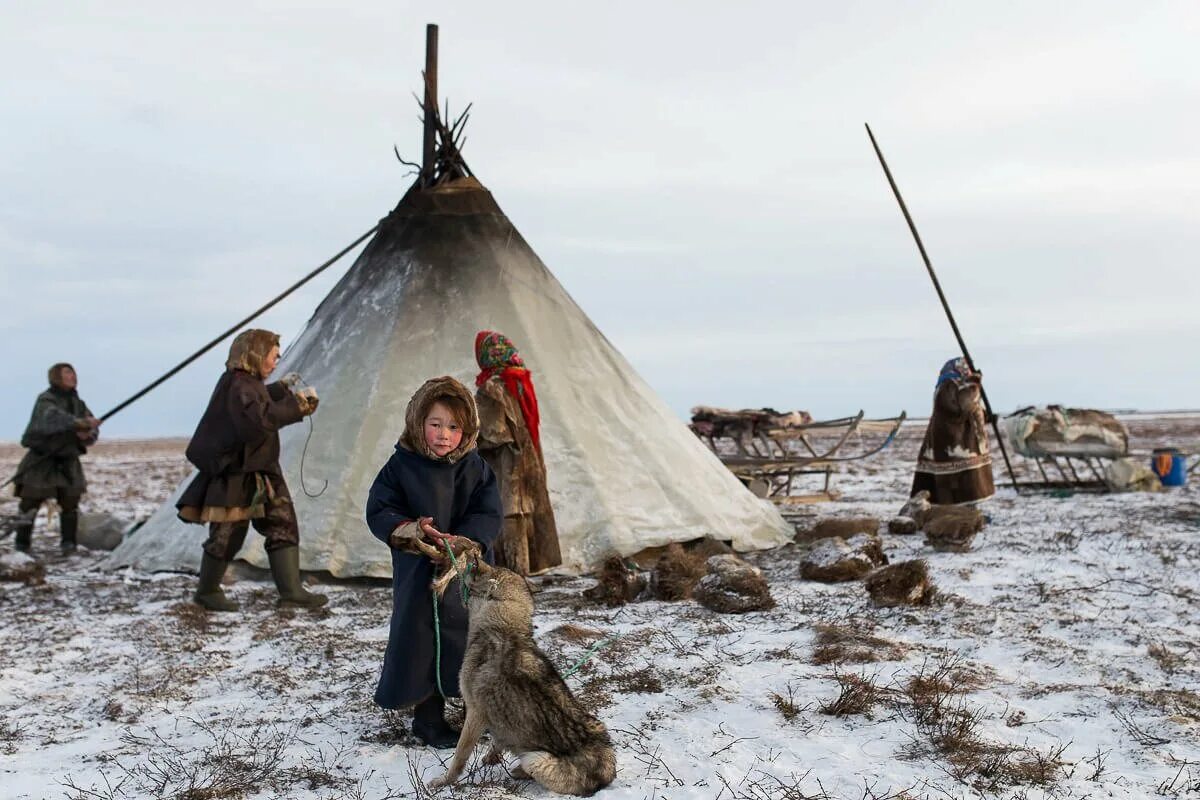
(444, 264)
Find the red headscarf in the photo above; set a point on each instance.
(497, 355)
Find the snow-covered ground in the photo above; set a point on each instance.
(1062, 661)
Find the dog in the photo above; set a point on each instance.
(510, 688)
(448, 569)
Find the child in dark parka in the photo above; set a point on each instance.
(436, 488)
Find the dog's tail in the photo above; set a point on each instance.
(583, 772)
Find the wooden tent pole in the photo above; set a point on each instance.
(428, 152)
(962, 345)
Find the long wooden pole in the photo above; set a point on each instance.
(428, 151)
(962, 345)
(220, 338)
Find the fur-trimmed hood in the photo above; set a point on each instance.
(249, 349)
(431, 391)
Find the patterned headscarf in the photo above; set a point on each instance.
(497, 355)
(956, 369)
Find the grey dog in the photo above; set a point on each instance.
(511, 689)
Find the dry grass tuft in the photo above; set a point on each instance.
(190, 616)
(11, 732)
(1167, 660)
(576, 634)
(858, 694)
(837, 644)
(393, 728)
(786, 706)
(641, 681)
(948, 729)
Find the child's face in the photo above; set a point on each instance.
(442, 433)
(268, 363)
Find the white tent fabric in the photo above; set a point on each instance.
(624, 472)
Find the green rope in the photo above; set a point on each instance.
(437, 623)
(437, 627)
(588, 655)
(437, 645)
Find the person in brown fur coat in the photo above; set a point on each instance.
(510, 441)
(955, 465)
(240, 482)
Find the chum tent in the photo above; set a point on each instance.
(624, 472)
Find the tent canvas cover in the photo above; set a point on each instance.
(624, 472)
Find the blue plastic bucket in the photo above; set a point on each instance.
(1170, 466)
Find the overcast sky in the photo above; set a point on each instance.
(697, 176)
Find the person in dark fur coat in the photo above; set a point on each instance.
(437, 488)
(955, 465)
(60, 430)
(510, 441)
(236, 449)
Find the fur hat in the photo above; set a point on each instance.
(249, 349)
(55, 373)
(432, 391)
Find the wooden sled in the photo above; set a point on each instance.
(768, 451)
(1076, 463)
(1079, 473)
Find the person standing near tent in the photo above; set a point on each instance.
(60, 430)
(955, 465)
(510, 441)
(437, 488)
(236, 449)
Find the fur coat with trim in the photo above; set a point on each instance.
(505, 443)
(955, 465)
(52, 464)
(460, 492)
(236, 442)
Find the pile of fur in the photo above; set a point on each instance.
(616, 583)
(912, 516)
(733, 587)
(674, 576)
(947, 528)
(903, 584)
(836, 559)
(842, 527)
(952, 528)
(681, 566)
(22, 568)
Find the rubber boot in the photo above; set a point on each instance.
(208, 591)
(429, 723)
(24, 535)
(285, 568)
(69, 523)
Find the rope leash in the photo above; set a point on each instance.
(303, 455)
(437, 623)
(437, 629)
(588, 655)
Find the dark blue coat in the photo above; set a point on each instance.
(463, 499)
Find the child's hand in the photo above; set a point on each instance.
(431, 534)
(461, 544)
